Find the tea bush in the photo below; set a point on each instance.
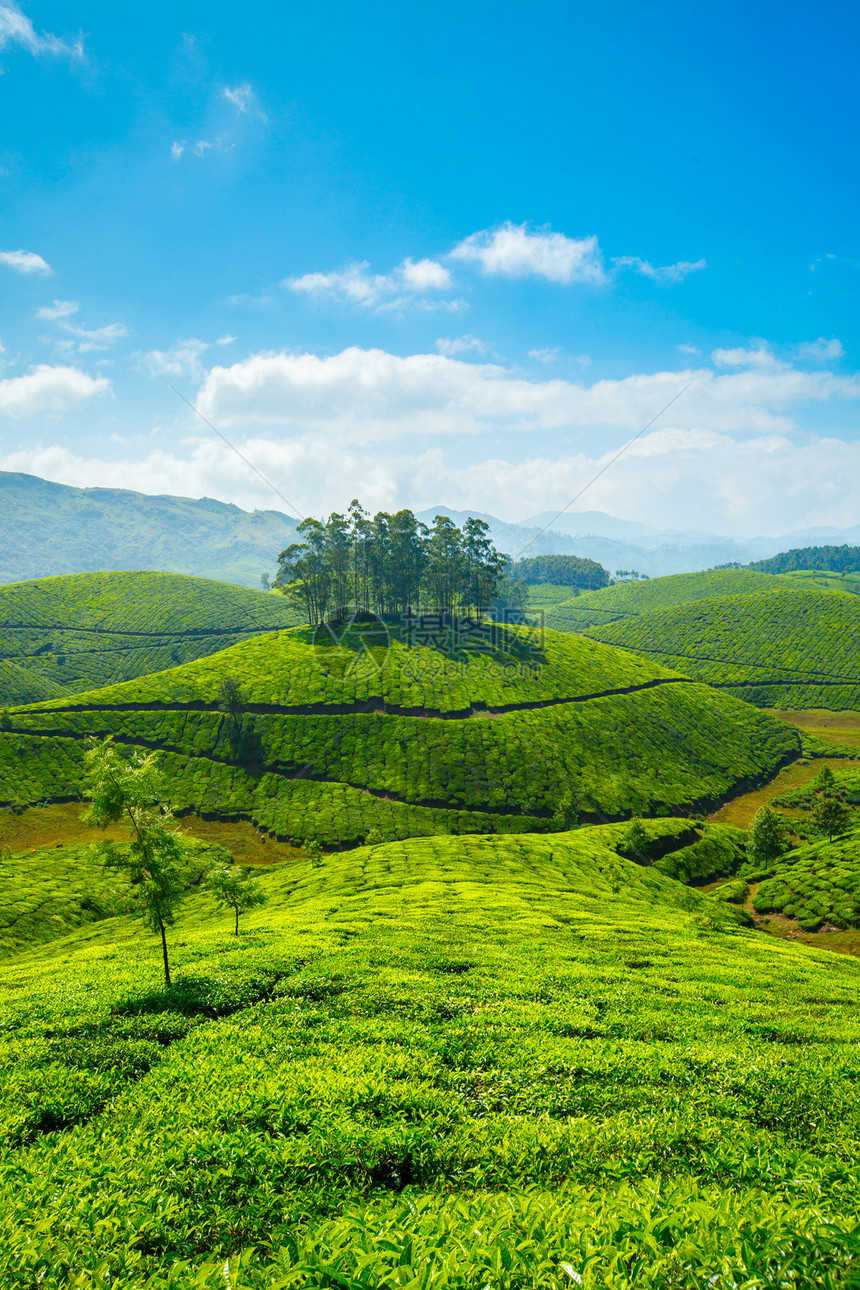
(794, 648)
(79, 631)
(423, 743)
(519, 1062)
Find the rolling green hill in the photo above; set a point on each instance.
(631, 599)
(81, 631)
(21, 685)
(519, 1062)
(335, 743)
(795, 648)
(816, 883)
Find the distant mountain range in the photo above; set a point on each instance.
(48, 528)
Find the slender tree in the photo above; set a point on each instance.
(235, 889)
(128, 789)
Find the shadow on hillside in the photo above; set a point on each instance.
(208, 996)
(454, 638)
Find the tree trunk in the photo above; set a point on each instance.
(236, 933)
(167, 980)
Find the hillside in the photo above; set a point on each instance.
(333, 743)
(829, 559)
(20, 685)
(86, 630)
(795, 648)
(815, 884)
(630, 599)
(48, 528)
(499, 1060)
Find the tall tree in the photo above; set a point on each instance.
(128, 789)
(768, 836)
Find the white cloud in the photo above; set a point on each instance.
(184, 359)
(546, 355)
(59, 309)
(668, 274)
(17, 29)
(757, 356)
(244, 99)
(451, 346)
(688, 349)
(425, 275)
(695, 479)
(96, 339)
(357, 285)
(516, 252)
(49, 389)
(25, 262)
(370, 395)
(177, 148)
(821, 350)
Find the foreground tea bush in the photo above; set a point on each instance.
(511, 1061)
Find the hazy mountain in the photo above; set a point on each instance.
(50, 528)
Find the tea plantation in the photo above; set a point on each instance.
(517, 1062)
(816, 884)
(631, 599)
(333, 744)
(86, 630)
(794, 648)
(19, 685)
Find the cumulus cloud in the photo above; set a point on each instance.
(515, 251)
(821, 350)
(17, 29)
(667, 274)
(25, 262)
(59, 309)
(49, 389)
(358, 286)
(369, 395)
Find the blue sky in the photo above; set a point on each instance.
(453, 254)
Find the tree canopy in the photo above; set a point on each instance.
(563, 570)
(390, 564)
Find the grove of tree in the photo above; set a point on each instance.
(389, 565)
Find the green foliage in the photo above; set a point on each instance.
(127, 788)
(313, 851)
(844, 784)
(719, 851)
(390, 565)
(634, 844)
(835, 559)
(235, 889)
(453, 1061)
(626, 600)
(68, 634)
(563, 570)
(457, 739)
(737, 891)
(816, 883)
(769, 836)
(830, 817)
(789, 647)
